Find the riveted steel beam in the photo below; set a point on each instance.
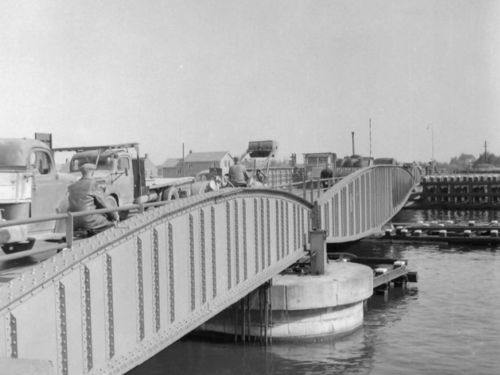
(203, 258)
(171, 279)
(214, 253)
(86, 319)
(111, 293)
(245, 229)
(156, 281)
(62, 329)
(109, 318)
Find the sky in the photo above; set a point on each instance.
(216, 74)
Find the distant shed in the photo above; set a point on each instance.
(196, 162)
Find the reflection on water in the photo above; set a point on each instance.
(325, 357)
(447, 323)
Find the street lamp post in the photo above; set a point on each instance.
(432, 141)
(432, 136)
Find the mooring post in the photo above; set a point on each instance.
(315, 216)
(318, 251)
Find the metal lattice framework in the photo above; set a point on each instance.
(114, 300)
(362, 202)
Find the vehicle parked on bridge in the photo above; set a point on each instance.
(385, 161)
(120, 172)
(30, 186)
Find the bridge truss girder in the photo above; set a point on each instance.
(113, 300)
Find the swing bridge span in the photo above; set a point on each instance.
(105, 304)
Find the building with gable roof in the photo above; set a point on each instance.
(196, 162)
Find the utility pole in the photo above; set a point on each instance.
(485, 151)
(432, 142)
(370, 137)
(182, 159)
(353, 151)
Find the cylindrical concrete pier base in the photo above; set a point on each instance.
(305, 306)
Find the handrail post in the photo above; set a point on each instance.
(69, 230)
(304, 184)
(312, 189)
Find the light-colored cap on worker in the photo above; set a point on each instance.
(87, 167)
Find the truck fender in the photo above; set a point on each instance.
(200, 187)
(170, 194)
(61, 208)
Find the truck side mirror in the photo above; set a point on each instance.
(114, 165)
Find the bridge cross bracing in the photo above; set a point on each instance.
(114, 300)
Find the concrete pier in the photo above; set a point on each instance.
(305, 306)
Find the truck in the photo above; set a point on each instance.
(30, 186)
(120, 173)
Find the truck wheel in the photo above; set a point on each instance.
(170, 194)
(111, 201)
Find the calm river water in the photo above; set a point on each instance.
(447, 323)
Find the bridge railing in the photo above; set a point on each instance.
(310, 189)
(68, 219)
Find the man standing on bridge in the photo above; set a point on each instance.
(326, 176)
(84, 195)
(238, 176)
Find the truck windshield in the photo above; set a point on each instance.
(12, 161)
(105, 162)
(13, 156)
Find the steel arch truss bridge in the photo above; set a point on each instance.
(114, 300)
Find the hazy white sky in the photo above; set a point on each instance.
(216, 74)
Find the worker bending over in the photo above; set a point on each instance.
(238, 176)
(84, 195)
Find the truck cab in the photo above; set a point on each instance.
(30, 187)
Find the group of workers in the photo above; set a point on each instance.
(84, 195)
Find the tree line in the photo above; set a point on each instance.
(469, 161)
